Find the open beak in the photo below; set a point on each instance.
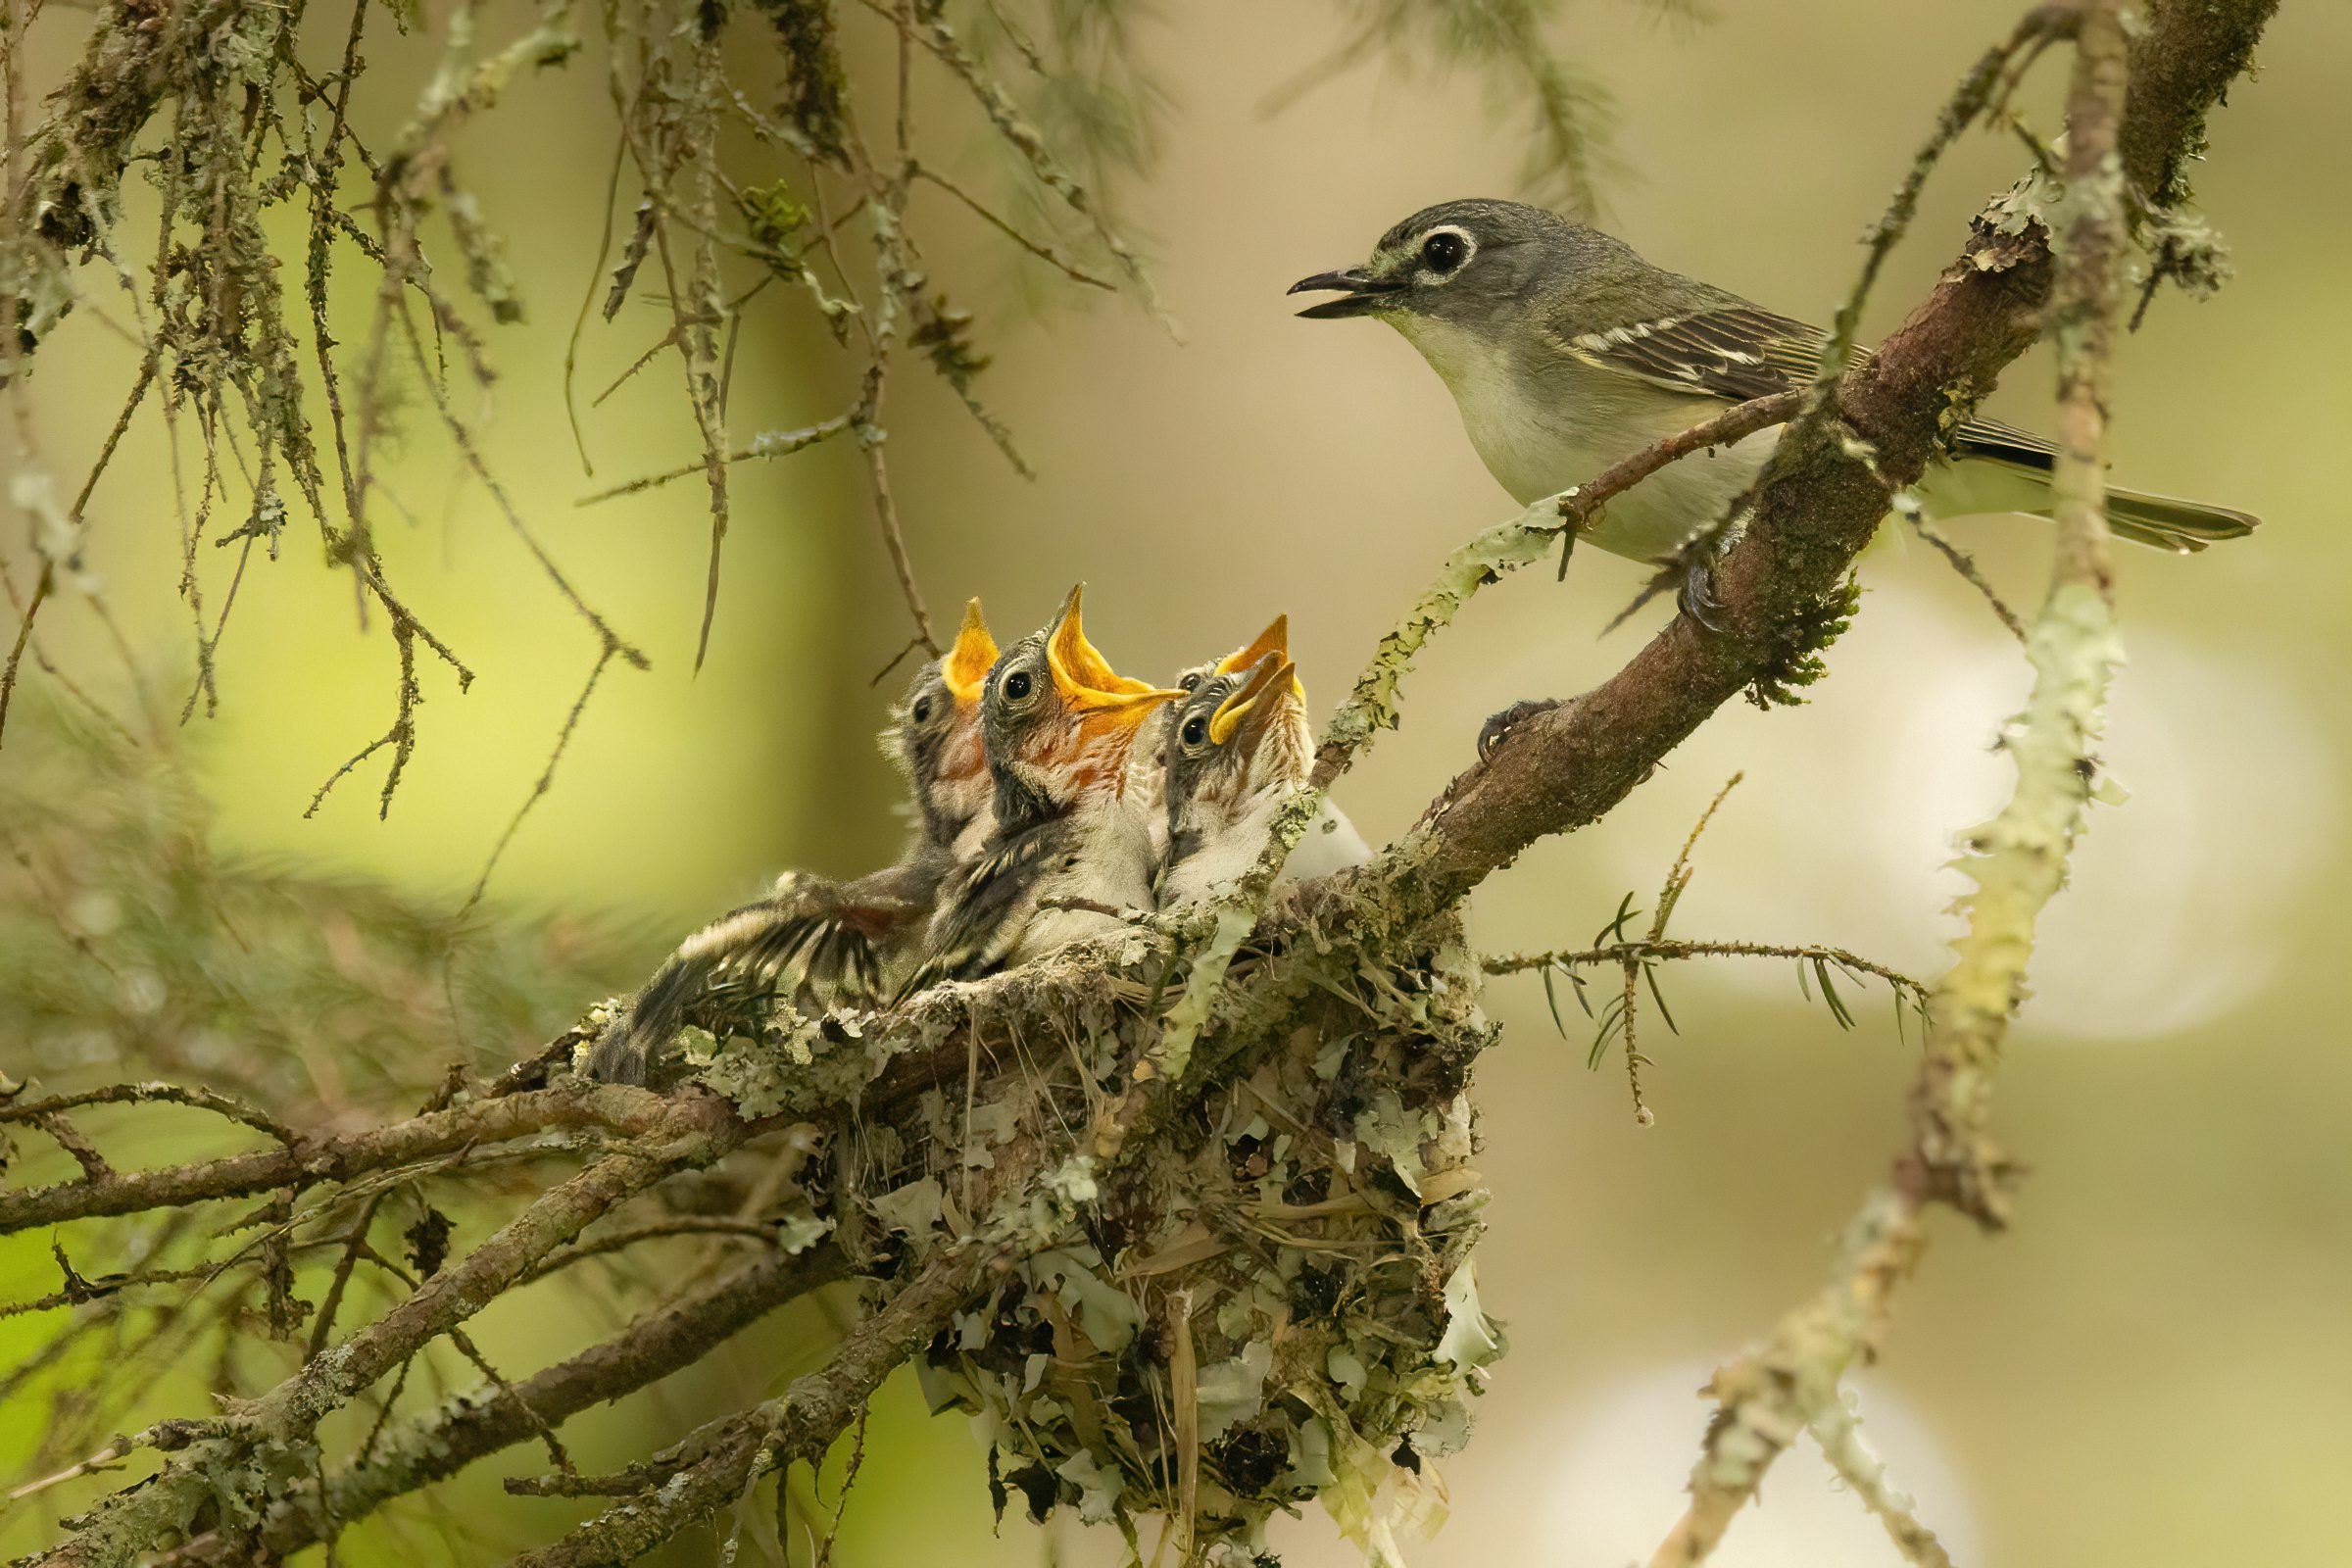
(1275, 639)
(1085, 678)
(967, 666)
(1267, 677)
(1361, 293)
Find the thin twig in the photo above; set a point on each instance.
(547, 776)
(1042, 252)
(1965, 565)
(870, 437)
(1840, 1436)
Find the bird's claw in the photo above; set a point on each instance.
(1695, 597)
(1691, 572)
(1491, 734)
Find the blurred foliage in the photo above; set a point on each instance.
(1569, 115)
(129, 947)
(785, 153)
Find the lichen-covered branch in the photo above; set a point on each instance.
(798, 1426)
(2017, 861)
(1839, 1432)
(224, 1464)
(301, 1163)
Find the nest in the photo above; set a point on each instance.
(1277, 1305)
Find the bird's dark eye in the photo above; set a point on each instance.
(1189, 680)
(922, 710)
(1195, 730)
(1017, 685)
(1445, 250)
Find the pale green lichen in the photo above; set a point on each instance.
(2017, 862)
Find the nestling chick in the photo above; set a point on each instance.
(1148, 764)
(840, 942)
(1240, 748)
(1069, 853)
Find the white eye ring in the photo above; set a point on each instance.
(1431, 273)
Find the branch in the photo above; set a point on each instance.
(665, 1340)
(735, 1451)
(1581, 505)
(1678, 947)
(2018, 862)
(307, 1160)
(215, 1462)
(1864, 1473)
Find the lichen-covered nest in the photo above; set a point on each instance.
(1280, 1307)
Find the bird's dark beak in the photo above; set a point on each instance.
(1361, 293)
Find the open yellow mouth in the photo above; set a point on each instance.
(967, 666)
(1275, 640)
(1085, 678)
(1268, 675)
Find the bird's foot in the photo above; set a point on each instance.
(1493, 732)
(1690, 571)
(1695, 596)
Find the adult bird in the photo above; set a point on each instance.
(1069, 855)
(1566, 352)
(1240, 748)
(840, 942)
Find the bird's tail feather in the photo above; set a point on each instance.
(2172, 524)
(2005, 469)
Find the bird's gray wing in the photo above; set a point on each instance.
(733, 960)
(982, 911)
(1990, 438)
(1739, 352)
(1731, 352)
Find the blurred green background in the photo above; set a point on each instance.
(2153, 1367)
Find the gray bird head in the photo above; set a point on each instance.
(1059, 723)
(1241, 733)
(1476, 266)
(934, 734)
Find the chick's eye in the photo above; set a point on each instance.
(1195, 730)
(1445, 250)
(922, 711)
(1017, 685)
(1189, 681)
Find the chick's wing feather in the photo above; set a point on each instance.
(986, 907)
